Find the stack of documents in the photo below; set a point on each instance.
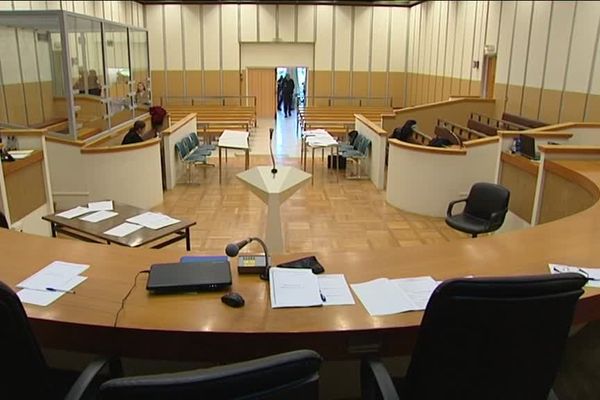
(390, 296)
(318, 138)
(106, 205)
(20, 154)
(74, 212)
(51, 282)
(99, 216)
(592, 274)
(290, 287)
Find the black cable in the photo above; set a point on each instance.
(146, 271)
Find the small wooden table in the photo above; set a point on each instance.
(93, 231)
(234, 140)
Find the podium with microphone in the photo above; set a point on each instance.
(274, 185)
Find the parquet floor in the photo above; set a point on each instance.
(333, 214)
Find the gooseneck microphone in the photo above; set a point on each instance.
(274, 170)
(233, 249)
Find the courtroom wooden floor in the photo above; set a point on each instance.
(333, 214)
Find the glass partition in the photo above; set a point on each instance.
(72, 74)
(140, 71)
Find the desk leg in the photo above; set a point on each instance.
(247, 163)
(188, 245)
(225, 156)
(312, 169)
(53, 228)
(219, 165)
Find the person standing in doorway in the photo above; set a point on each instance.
(280, 92)
(288, 95)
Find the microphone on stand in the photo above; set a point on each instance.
(274, 170)
(233, 249)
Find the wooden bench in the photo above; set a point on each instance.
(462, 131)
(517, 119)
(481, 127)
(496, 123)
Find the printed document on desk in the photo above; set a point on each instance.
(74, 212)
(233, 139)
(294, 288)
(153, 220)
(334, 290)
(99, 216)
(51, 282)
(101, 205)
(123, 230)
(384, 296)
(593, 274)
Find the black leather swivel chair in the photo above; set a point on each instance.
(484, 210)
(293, 376)
(3, 221)
(23, 372)
(485, 339)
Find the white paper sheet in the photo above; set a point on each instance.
(73, 212)
(294, 288)
(101, 205)
(382, 297)
(591, 273)
(38, 297)
(20, 154)
(418, 289)
(123, 230)
(99, 216)
(153, 220)
(58, 275)
(335, 290)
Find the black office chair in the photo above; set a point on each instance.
(24, 373)
(293, 376)
(3, 221)
(484, 210)
(485, 339)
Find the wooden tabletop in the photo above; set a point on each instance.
(96, 229)
(199, 326)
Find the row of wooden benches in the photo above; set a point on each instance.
(212, 120)
(337, 120)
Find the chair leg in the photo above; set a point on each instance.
(473, 235)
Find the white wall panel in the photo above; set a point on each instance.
(193, 45)
(212, 56)
(443, 38)
(343, 37)
(362, 27)
(427, 41)
(596, 75)
(467, 51)
(519, 48)
(67, 5)
(582, 46)
(493, 17)
(537, 44)
(323, 45)
(43, 49)
(38, 5)
(248, 18)
(154, 16)
(20, 5)
(6, 5)
(173, 37)
(306, 23)
(270, 54)
(287, 22)
(51, 5)
(27, 51)
(231, 51)
(98, 9)
(78, 7)
(10, 57)
(451, 39)
(459, 44)
(266, 22)
(505, 41)
(558, 48)
(435, 38)
(399, 39)
(379, 49)
(411, 44)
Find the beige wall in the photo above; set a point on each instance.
(548, 58)
(357, 51)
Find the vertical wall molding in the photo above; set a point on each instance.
(183, 63)
(527, 57)
(333, 39)
(295, 22)
(164, 48)
(389, 55)
(220, 49)
(539, 108)
(591, 77)
(512, 42)
(406, 54)
(564, 85)
(21, 75)
(202, 66)
(445, 49)
(473, 47)
(39, 75)
(352, 21)
(370, 53)
(437, 54)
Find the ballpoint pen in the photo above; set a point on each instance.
(323, 298)
(60, 290)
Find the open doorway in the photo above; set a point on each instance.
(292, 83)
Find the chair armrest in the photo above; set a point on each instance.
(375, 381)
(83, 385)
(451, 206)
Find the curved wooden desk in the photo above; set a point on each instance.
(199, 326)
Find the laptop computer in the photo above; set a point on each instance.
(527, 147)
(189, 277)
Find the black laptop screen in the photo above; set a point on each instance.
(527, 146)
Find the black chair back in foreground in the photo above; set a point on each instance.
(485, 209)
(293, 375)
(24, 373)
(487, 339)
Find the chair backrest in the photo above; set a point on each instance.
(187, 142)
(194, 139)
(517, 119)
(292, 375)
(493, 338)
(445, 133)
(3, 221)
(181, 150)
(24, 372)
(481, 127)
(486, 198)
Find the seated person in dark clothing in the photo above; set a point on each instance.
(136, 133)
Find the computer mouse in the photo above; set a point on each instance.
(233, 299)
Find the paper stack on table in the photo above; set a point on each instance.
(99, 216)
(51, 282)
(74, 212)
(390, 296)
(123, 229)
(153, 220)
(592, 274)
(101, 205)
